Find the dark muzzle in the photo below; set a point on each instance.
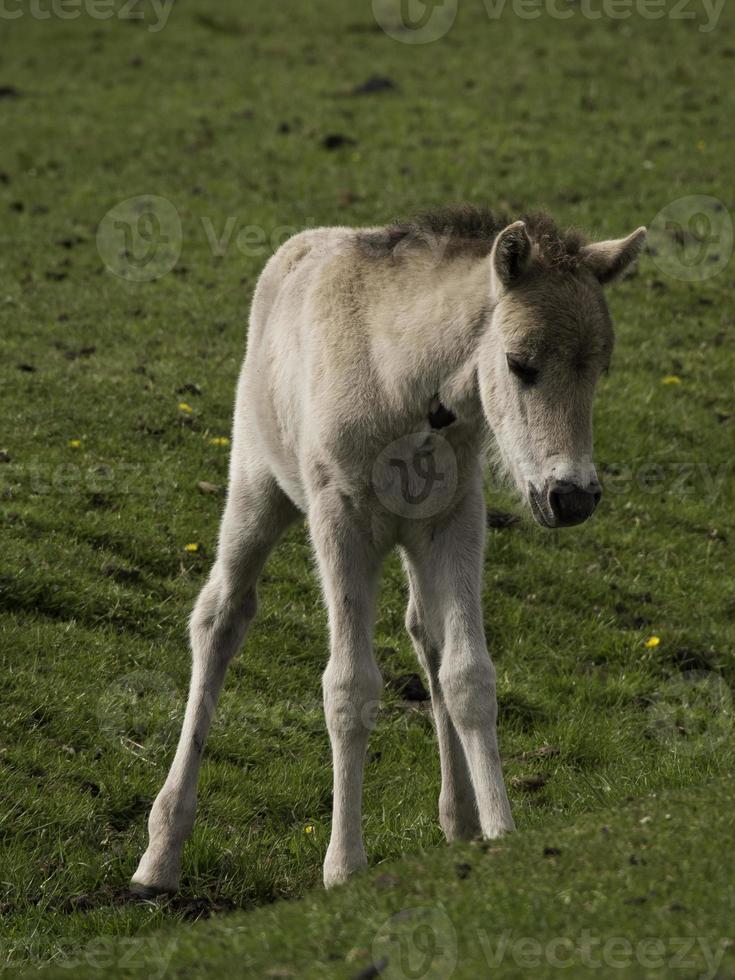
(571, 504)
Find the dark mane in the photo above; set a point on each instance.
(467, 230)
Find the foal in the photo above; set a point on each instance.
(381, 363)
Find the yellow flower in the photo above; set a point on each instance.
(183, 407)
(651, 642)
(75, 444)
(219, 441)
(309, 829)
(701, 146)
(671, 379)
(191, 547)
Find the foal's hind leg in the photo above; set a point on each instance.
(256, 513)
(457, 804)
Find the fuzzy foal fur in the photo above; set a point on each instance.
(357, 338)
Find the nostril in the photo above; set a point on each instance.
(597, 495)
(556, 503)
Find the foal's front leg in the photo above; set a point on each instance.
(446, 566)
(352, 684)
(457, 804)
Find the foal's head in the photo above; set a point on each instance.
(550, 339)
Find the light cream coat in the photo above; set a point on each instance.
(381, 364)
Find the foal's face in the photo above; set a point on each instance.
(550, 340)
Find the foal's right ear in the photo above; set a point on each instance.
(609, 260)
(511, 255)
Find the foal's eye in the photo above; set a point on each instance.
(522, 369)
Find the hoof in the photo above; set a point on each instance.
(157, 874)
(139, 890)
(339, 871)
(500, 828)
(460, 826)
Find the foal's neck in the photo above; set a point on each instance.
(429, 328)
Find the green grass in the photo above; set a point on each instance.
(625, 892)
(602, 122)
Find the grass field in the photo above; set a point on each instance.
(627, 892)
(115, 400)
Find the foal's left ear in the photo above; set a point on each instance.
(510, 256)
(609, 260)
